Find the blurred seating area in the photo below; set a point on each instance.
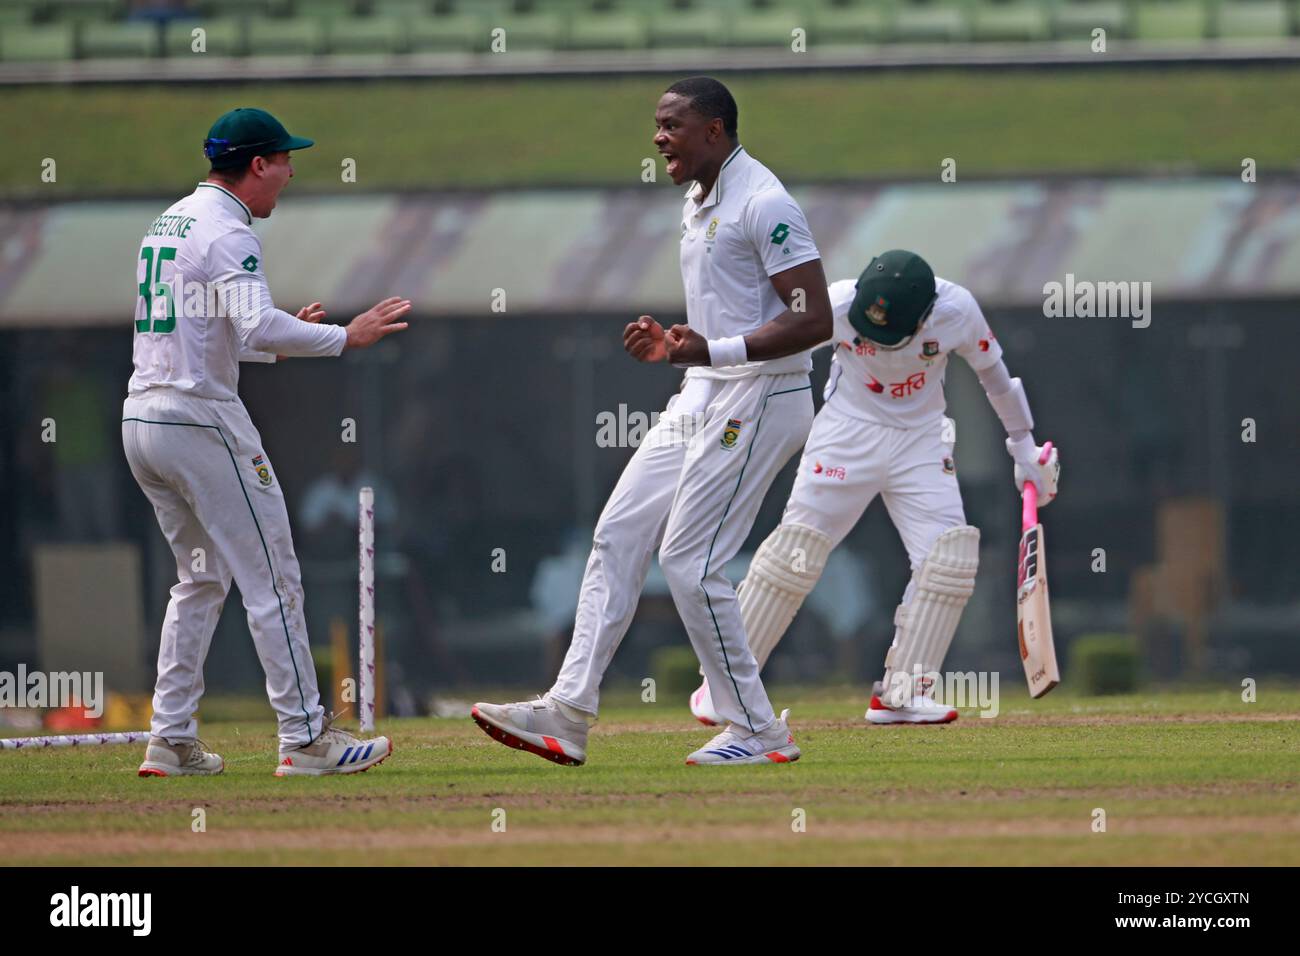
(53, 30)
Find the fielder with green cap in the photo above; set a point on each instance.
(882, 431)
(202, 307)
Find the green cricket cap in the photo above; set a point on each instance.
(895, 293)
(244, 133)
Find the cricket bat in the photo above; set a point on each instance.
(1033, 612)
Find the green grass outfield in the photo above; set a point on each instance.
(109, 140)
(1185, 779)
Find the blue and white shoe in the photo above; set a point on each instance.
(737, 746)
(333, 751)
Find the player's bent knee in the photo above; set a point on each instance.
(958, 538)
(952, 562)
(682, 570)
(785, 569)
(621, 531)
(204, 582)
(791, 558)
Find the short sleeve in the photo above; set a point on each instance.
(777, 229)
(978, 345)
(236, 256)
(841, 294)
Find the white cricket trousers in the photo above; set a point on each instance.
(692, 491)
(848, 462)
(201, 464)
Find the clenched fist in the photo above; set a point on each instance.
(644, 340)
(686, 346)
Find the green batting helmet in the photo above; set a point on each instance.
(895, 295)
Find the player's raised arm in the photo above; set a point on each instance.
(235, 263)
(377, 322)
(262, 328)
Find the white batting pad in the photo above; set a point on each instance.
(785, 569)
(925, 623)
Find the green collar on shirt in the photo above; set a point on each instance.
(248, 213)
(715, 195)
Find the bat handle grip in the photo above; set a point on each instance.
(1029, 506)
(1029, 501)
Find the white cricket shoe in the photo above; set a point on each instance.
(184, 759)
(538, 726)
(921, 710)
(702, 707)
(333, 751)
(736, 746)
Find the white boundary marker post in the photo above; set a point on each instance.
(72, 740)
(366, 631)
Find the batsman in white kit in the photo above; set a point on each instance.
(204, 307)
(756, 303)
(882, 431)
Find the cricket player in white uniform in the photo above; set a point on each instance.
(756, 303)
(203, 307)
(882, 431)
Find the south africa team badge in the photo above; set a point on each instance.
(731, 434)
(263, 473)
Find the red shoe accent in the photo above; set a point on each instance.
(877, 705)
(510, 740)
(778, 757)
(552, 744)
(152, 773)
(286, 762)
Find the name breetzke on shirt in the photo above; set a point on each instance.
(165, 225)
(747, 229)
(903, 388)
(203, 305)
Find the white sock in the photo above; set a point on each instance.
(573, 713)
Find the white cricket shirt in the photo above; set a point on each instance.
(746, 229)
(202, 303)
(903, 388)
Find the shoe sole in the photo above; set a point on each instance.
(511, 739)
(772, 756)
(155, 770)
(331, 771)
(948, 718)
